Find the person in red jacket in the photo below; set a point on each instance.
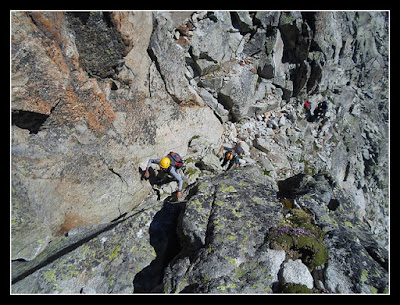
(319, 112)
(309, 116)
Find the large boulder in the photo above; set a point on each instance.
(238, 91)
(215, 39)
(222, 231)
(170, 60)
(297, 273)
(237, 237)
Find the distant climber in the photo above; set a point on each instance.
(231, 155)
(169, 164)
(307, 106)
(319, 112)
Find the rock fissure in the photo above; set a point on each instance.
(29, 120)
(210, 225)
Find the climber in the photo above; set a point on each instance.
(169, 164)
(320, 111)
(307, 105)
(231, 155)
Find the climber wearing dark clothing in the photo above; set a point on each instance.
(319, 112)
(231, 155)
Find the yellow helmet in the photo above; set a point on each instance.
(165, 162)
(229, 155)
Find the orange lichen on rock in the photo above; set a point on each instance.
(47, 77)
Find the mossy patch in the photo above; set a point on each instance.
(300, 239)
(287, 203)
(295, 288)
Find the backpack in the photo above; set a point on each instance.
(239, 149)
(176, 159)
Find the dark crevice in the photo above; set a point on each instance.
(82, 16)
(192, 63)
(347, 171)
(210, 226)
(333, 204)
(29, 120)
(119, 175)
(292, 187)
(165, 241)
(382, 261)
(154, 59)
(204, 55)
(107, 19)
(315, 77)
(192, 288)
(227, 103)
(242, 27)
(309, 18)
(212, 17)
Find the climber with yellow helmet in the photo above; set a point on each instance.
(171, 163)
(231, 155)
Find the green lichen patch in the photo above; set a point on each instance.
(114, 252)
(227, 188)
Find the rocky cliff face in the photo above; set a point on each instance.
(96, 94)
(88, 108)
